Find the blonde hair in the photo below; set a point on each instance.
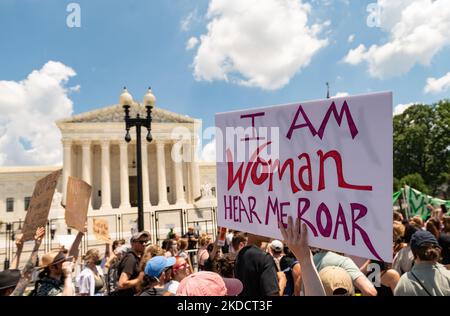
(182, 244)
(150, 252)
(204, 240)
(417, 220)
(399, 231)
(92, 255)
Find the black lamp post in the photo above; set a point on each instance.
(126, 100)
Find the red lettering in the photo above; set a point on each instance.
(344, 110)
(324, 231)
(362, 212)
(307, 168)
(306, 124)
(340, 220)
(302, 210)
(340, 172)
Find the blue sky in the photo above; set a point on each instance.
(138, 43)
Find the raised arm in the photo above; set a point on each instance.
(296, 237)
(19, 245)
(27, 271)
(75, 248)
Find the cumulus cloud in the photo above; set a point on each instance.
(28, 111)
(400, 108)
(418, 30)
(245, 47)
(209, 152)
(186, 23)
(437, 85)
(351, 38)
(191, 43)
(341, 94)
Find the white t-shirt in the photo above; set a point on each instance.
(172, 286)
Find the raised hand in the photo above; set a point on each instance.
(296, 238)
(40, 233)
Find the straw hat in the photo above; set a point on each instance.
(51, 258)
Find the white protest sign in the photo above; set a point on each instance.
(327, 162)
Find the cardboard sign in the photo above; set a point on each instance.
(40, 204)
(101, 229)
(77, 203)
(327, 162)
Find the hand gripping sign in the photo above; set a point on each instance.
(327, 162)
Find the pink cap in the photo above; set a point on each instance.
(205, 283)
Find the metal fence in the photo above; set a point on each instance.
(121, 226)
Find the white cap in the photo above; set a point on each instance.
(276, 245)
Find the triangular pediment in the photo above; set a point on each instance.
(115, 113)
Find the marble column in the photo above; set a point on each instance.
(67, 166)
(179, 192)
(145, 182)
(106, 177)
(194, 172)
(86, 164)
(124, 179)
(161, 174)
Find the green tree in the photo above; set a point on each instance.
(415, 181)
(422, 143)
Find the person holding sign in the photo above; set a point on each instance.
(296, 238)
(27, 271)
(56, 276)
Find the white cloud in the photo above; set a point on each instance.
(351, 38)
(28, 110)
(186, 23)
(244, 46)
(355, 56)
(400, 108)
(340, 94)
(438, 85)
(209, 152)
(418, 30)
(192, 42)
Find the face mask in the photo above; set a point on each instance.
(98, 262)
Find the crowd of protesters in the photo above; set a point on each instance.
(245, 265)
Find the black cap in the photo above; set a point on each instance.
(421, 237)
(9, 278)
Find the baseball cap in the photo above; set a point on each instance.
(9, 278)
(276, 245)
(421, 237)
(156, 265)
(336, 281)
(206, 283)
(138, 235)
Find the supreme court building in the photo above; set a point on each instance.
(95, 151)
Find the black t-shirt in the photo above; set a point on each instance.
(192, 244)
(257, 271)
(444, 242)
(129, 265)
(153, 291)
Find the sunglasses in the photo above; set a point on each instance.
(181, 267)
(142, 242)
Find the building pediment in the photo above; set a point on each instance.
(115, 113)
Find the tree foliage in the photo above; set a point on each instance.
(422, 145)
